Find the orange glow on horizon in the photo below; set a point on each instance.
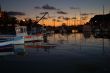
(50, 22)
(68, 23)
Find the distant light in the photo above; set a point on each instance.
(95, 21)
(24, 20)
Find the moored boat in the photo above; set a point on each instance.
(22, 31)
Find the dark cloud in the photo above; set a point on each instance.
(61, 12)
(84, 14)
(54, 20)
(58, 20)
(60, 17)
(37, 7)
(14, 13)
(42, 13)
(66, 18)
(74, 18)
(48, 7)
(37, 16)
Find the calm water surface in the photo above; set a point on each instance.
(72, 53)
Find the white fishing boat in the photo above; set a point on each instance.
(22, 31)
(22, 36)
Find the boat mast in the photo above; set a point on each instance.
(42, 17)
(103, 10)
(0, 10)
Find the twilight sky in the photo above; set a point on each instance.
(56, 8)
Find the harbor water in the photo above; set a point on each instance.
(61, 53)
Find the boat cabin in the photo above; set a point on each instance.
(21, 30)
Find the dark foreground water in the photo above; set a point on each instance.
(71, 53)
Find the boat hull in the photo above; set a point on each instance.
(30, 38)
(11, 40)
(18, 40)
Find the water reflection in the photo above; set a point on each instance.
(39, 45)
(67, 51)
(19, 50)
(80, 42)
(87, 34)
(6, 50)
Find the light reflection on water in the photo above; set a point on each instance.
(67, 44)
(64, 50)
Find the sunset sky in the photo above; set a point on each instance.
(83, 9)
